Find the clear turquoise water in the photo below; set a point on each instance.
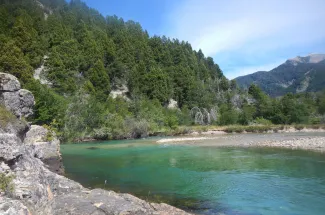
(205, 180)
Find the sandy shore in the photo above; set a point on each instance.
(306, 141)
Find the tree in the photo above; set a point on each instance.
(99, 78)
(12, 60)
(49, 106)
(321, 104)
(247, 114)
(228, 116)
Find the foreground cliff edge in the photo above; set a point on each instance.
(30, 164)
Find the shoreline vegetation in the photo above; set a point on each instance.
(105, 78)
(184, 133)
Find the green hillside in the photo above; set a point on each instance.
(106, 78)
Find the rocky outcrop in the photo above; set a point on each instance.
(9, 206)
(39, 191)
(8, 83)
(172, 104)
(19, 101)
(46, 146)
(103, 202)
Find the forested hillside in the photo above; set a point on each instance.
(76, 62)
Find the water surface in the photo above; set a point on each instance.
(204, 179)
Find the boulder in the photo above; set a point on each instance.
(8, 83)
(46, 146)
(20, 102)
(9, 124)
(9, 206)
(10, 147)
(172, 104)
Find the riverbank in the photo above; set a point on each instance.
(218, 130)
(206, 130)
(305, 140)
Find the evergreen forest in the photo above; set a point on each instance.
(107, 78)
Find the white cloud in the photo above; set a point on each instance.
(216, 26)
(247, 27)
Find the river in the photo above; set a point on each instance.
(205, 179)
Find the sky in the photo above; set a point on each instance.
(242, 36)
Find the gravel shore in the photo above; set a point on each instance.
(305, 141)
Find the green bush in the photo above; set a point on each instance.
(6, 117)
(315, 120)
(6, 184)
(299, 127)
(228, 117)
(103, 133)
(182, 130)
(137, 128)
(262, 121)
(235, 129)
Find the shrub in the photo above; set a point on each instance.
(182, 130)
(137, 128)
(315, 120)
(6, 117)
(299, 127)
(228, 117)
(102, 134)
(262, 121)
(234, 129)
(6, 184)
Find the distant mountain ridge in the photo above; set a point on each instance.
(296, 75)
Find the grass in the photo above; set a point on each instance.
(251, 129)
(255, 128)
(6, 117)
(6, 184)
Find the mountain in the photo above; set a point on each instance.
(296, 75)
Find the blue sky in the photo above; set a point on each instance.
(243, 36)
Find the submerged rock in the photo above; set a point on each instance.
(92, 148)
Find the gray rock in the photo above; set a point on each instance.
(9, 82)
(10, 147)
(20, 102)
(172, 104)
(47, 150)
(100, 201)
(9, 124)
(9, 206)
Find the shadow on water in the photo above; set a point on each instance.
(92, 148)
